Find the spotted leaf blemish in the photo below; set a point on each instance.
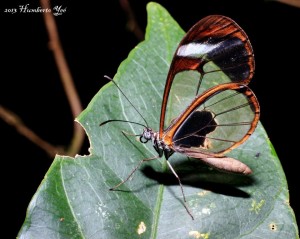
(256, 206)
(141, 228)
(273, 226)
(198, 235)
(101, 210)
(203, 193)
(205, 211)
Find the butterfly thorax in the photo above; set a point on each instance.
(159, 145)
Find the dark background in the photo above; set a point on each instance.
(96, 40)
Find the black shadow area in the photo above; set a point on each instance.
(202, 177)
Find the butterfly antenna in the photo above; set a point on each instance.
(107, 77)
(119, 120)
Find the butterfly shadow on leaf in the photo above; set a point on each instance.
(193, 172)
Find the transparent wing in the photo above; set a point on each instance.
(214, 51)
(217, 121)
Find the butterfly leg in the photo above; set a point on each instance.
(132, 172)
(129, 134)
(181, 187)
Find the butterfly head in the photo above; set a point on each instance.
(147, 135)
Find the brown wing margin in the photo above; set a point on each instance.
(211, 27)
(172, 129)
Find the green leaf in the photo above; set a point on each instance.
(74, 201)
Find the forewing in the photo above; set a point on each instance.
(214, 51)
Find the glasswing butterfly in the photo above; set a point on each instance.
(206, 123)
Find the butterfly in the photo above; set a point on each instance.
(200, 122)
